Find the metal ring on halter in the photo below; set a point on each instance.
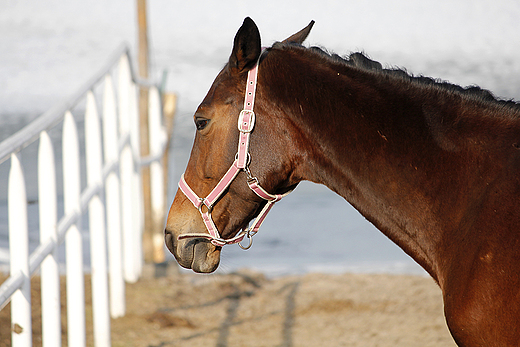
(203, 203)
(250, 237)
(248, 158)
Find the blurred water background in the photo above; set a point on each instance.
(49, 49)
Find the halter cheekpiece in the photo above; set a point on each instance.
(246, 123)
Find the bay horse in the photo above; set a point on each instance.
(434, 166)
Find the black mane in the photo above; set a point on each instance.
(361, 61)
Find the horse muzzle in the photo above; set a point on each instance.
(197, 254)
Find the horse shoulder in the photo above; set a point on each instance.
(482, 287)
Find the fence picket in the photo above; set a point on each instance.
(19, 249)
(50, 276)
(96, 214)
(113, 205)
(157, 139)
(126, 169)
(73, 242)
(137, 194)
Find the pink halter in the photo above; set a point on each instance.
(246, 123)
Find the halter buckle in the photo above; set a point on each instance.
(246, 121)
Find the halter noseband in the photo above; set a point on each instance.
(246, 123)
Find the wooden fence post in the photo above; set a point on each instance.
(143, 64)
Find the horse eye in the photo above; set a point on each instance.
(201, 123)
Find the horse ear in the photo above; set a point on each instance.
(246, 47)
(301, 35)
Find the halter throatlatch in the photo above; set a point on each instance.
(246, 123)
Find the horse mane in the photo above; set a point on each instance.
(361, 61)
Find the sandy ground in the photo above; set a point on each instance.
(247, 309)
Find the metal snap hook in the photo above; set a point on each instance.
(250, 177)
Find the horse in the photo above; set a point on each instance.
(432, 165)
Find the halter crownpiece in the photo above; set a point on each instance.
(246, 123)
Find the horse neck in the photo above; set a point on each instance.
(371, 141)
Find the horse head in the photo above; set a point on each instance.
(223, 188)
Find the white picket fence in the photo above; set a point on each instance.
(112, 200)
